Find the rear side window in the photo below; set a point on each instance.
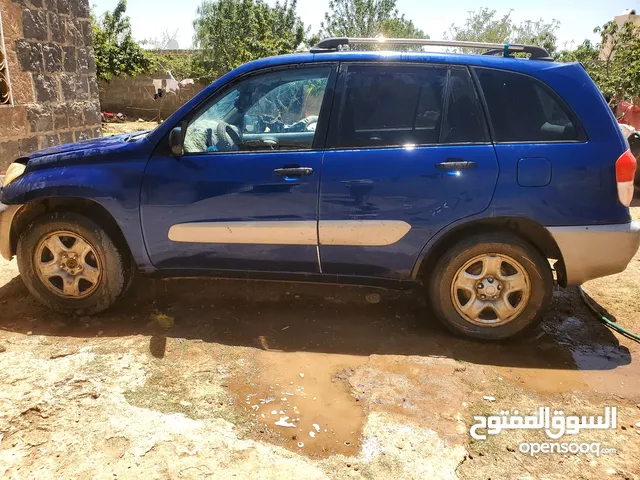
(523, 109)
(391, 106)
(463, 122)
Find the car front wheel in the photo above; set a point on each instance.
(71, 265)
(491, 286)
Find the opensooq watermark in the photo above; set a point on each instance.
(554, 423)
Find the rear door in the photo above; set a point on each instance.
(408, 153)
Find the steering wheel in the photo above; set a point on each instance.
(228, 136)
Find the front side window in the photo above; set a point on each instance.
(391, 106)
(522, 109)
(270, 111)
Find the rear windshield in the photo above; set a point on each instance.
(523, 109)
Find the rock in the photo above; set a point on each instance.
(372, 298)
(3, 348)
(489, 398)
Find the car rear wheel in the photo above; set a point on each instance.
(491, 286)
(71, 265)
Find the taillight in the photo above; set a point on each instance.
(625, 171)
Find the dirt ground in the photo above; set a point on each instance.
(126, 127)
(193, 378)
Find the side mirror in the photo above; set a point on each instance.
(175, 141)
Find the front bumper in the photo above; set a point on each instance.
(7, 212)
(595, 251)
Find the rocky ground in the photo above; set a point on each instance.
(223, 379)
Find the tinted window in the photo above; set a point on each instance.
(270, 111)
(522, 109)
(390, 106)
(464, 121)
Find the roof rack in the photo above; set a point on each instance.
(337, 43)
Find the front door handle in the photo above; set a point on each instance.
(455, 164)
(293, 171)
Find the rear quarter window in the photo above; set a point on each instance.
(523, 109)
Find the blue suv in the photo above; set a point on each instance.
(482, 178)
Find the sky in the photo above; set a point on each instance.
(577, 18)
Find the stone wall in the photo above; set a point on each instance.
(134, 96)
(52, 69)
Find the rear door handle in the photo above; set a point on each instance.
(455, 164)
(293, 171)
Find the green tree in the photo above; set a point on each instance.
(232, 32)
(367, 18)
(618, 72)
(538, 33)
(586, 53)
(614, 64)
(117, 53)
(485, 25)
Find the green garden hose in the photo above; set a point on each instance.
(606, 321)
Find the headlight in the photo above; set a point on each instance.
(13, 172)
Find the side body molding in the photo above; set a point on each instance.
(376, 233)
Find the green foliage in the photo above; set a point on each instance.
(586, 53)
(538, 33)
(232, 32)
(117, 53)
(618, 73)
(615, 68)
(367, 18)
(180, 64)
(485, 26)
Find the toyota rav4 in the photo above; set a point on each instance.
(483, 179)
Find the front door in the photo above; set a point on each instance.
(408, 153)
(243, 196)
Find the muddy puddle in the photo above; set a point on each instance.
(297, 396)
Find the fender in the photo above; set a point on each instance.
(114, 185)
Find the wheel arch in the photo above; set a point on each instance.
(532, 232)
(36, 208)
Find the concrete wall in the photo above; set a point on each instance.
(133, 96)
(52, 68)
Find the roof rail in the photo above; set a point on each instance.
(337, 43)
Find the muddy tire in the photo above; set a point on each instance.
(490, 287)
(71, 265)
